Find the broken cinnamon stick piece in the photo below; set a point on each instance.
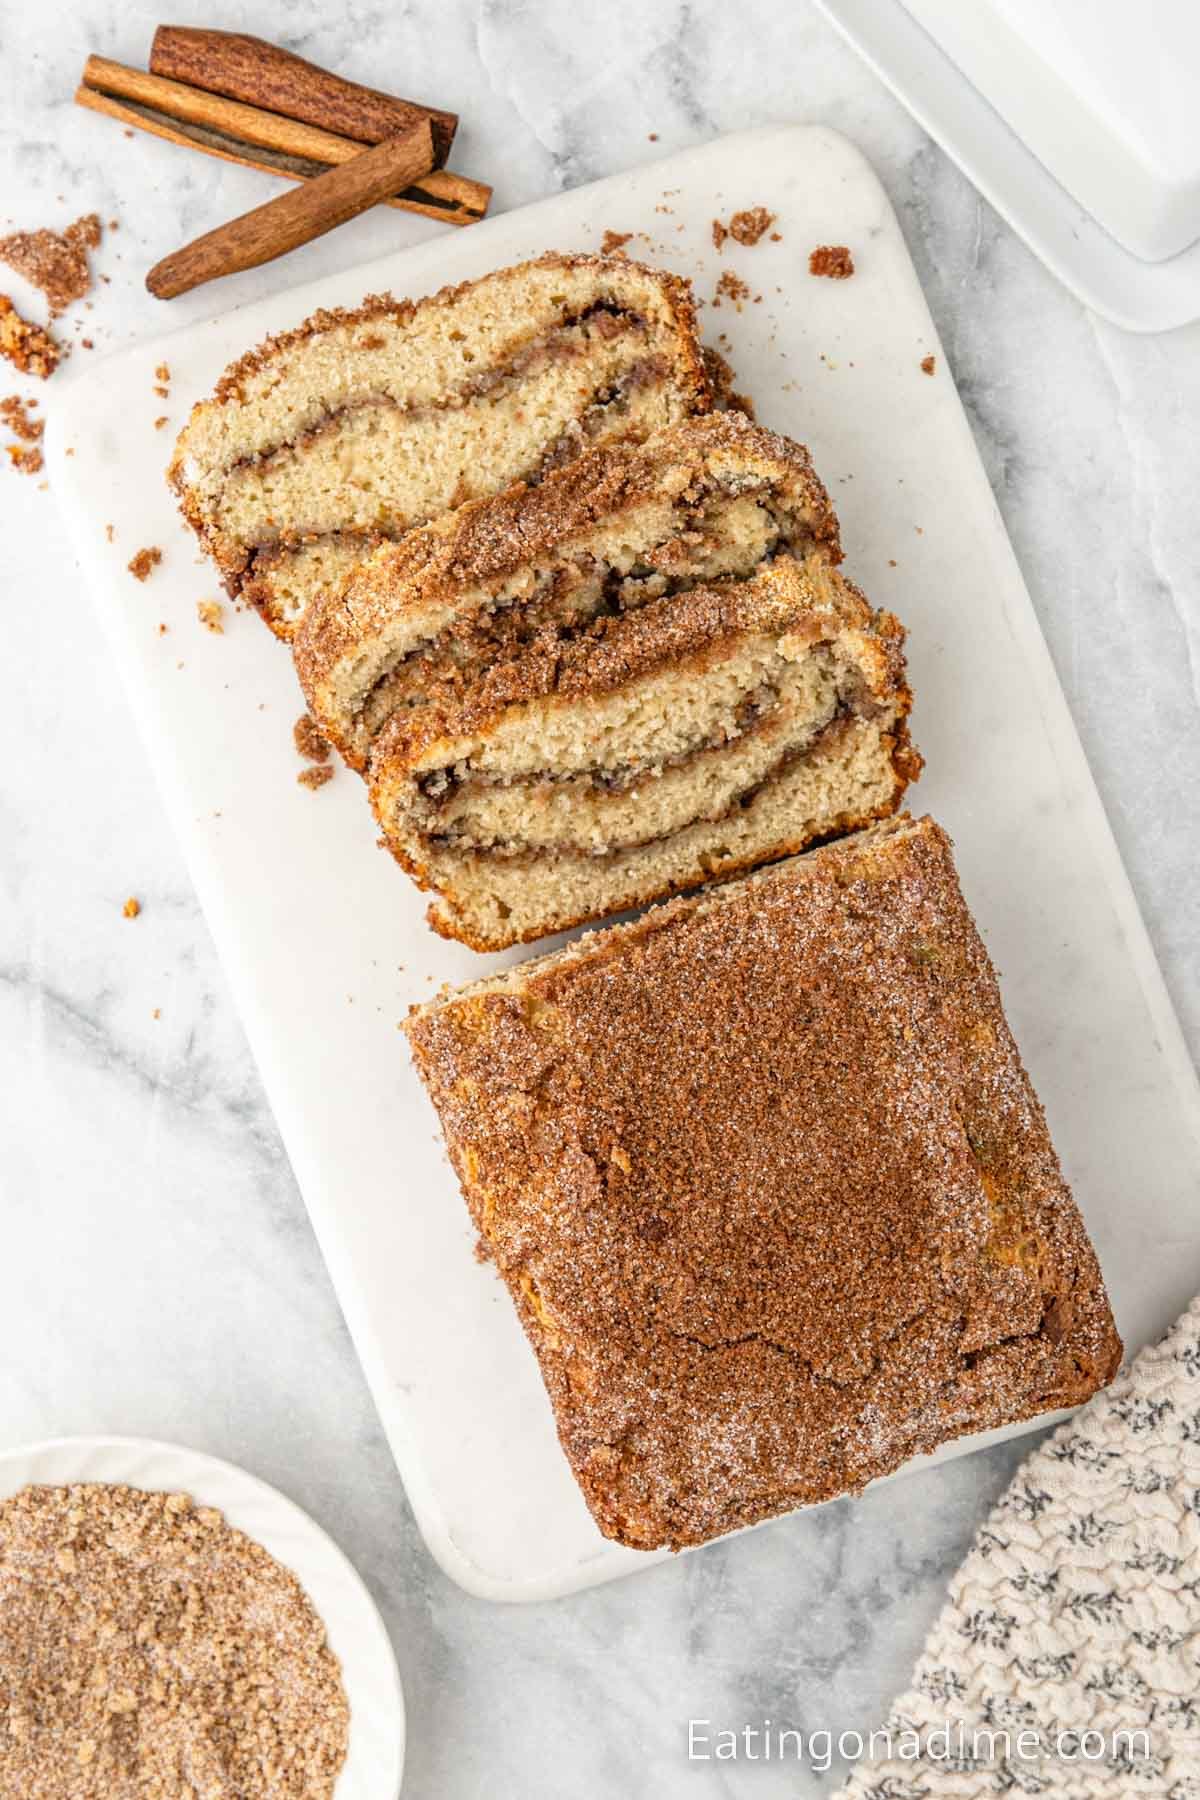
(296, 218)
(197, 120)
(248, 68)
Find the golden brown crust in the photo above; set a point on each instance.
(374, 307)
(691, 374)
(770, 1189)
(485, 540)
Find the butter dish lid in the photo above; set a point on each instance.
(1079, 120)
(1106, 96)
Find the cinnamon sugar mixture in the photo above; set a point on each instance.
(55, 261)
(148, 1651)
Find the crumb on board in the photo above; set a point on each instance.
(109, 534)
(652, 137)
(316, 776)
(160, 422)
(613, 241)
(143, 562)
(157, 1013)
(211, 615)
(833, 260)
(131, 908)
(162, 392)
(25, 345)
(162, 372)
(54, 262)
(310, 740)
(928, 364)
(731, 287)
(746, 227)
(163, 628)
(14, 413)
(26, 459)
(751, 224)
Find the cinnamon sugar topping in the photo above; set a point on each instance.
(773, 1195)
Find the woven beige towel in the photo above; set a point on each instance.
(1077, 1610)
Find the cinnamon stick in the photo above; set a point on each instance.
(250, 69)
(256, 139)
(296, 218)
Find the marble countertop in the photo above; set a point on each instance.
(159, 1274)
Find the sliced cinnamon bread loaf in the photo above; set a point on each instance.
(357, 425)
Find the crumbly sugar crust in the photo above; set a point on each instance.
(771, 1190)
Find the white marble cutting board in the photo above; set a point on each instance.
(324, 942)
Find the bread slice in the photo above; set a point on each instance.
(347, 431)
(712, 498)
(772, 1194)
(695, 736)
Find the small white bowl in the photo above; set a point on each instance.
(357, 1635)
